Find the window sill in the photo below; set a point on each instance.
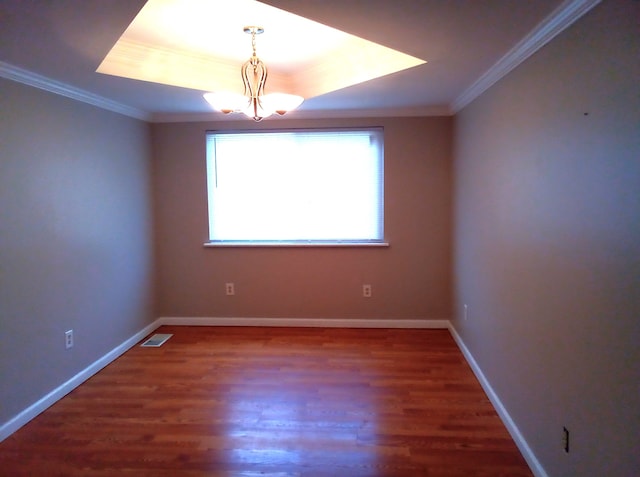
(295, 244)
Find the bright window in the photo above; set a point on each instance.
(296, 186)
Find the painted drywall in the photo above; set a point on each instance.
(75, 238)
(547, 243)
(410, 279)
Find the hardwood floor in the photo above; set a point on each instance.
(274, 402)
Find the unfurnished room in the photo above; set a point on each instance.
(320, 238)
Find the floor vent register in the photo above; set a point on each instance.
(156, 341)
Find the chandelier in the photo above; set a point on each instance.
(254, 102)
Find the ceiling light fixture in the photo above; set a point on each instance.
(254, 103)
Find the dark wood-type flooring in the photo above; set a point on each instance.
(274, 402)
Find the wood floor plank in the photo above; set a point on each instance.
(274, 401)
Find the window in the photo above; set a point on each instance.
(295, 187)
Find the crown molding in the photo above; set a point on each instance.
(20, 75)
(560, 19)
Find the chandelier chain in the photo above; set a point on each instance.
(253, 41)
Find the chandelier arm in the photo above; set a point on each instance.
(262, 81)
(244, 72)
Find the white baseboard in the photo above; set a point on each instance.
(303, 322)
(518, 438)
(58, 393)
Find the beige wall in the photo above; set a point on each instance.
(547, 243)
(410, 279)
(75, 239)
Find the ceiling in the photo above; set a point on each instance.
(189, 44)
(468, 45)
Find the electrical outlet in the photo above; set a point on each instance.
(565, 439)
(68, 339)
(366, 291)
(230, 289)
(466, 312)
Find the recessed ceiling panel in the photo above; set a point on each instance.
(200, 44)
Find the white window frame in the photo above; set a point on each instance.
(375, 173)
